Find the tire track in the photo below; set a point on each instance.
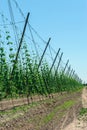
(79, 124)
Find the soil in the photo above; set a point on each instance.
(54, 113)
(79, 123)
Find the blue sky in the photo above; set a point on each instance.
(65, 21)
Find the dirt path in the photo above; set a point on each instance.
(79, 124)
(44, 115)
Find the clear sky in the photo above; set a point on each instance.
(65, 21)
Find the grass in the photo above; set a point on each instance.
(83, 111)
(50, 116)
(58, 111)
(83, 114)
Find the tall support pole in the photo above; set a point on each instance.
(72, 76)
(76, 77)
(58, 64)
(55, 75)
(54, 61)
(43, 53)
(65, 67)
(68, 71)
(16, 58)
(63, 73)
(41, 83)
(47, 82)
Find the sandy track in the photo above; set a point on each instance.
(78, 124)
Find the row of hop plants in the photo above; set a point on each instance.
(26, 79)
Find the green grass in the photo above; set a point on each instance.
(83, 111)
(66, 105)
